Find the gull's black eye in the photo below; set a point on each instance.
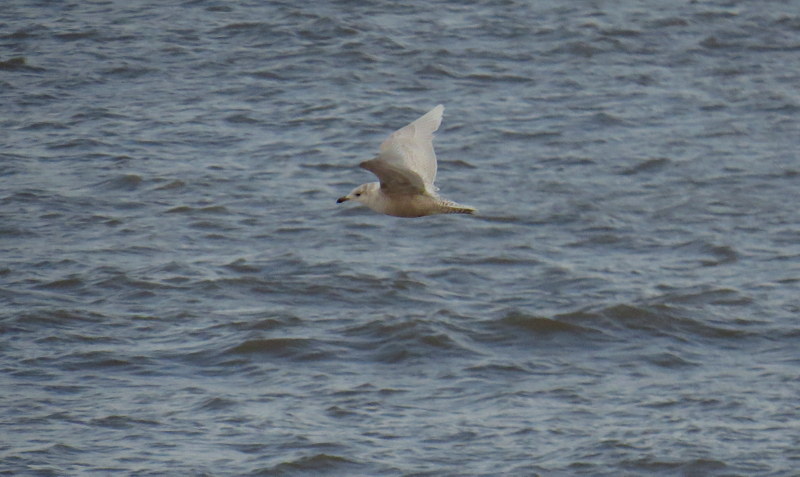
(358, 194)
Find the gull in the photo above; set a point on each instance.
(406, 167)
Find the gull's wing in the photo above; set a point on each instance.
(407, 155)
(395, 180)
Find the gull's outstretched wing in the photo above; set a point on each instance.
(407, 158)
(394, 179)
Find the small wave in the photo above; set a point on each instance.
(78, 143)
(661, 317)
(506, 260)
(77, 35)
(297, 348)
(496, 78)
(122, 422)
(713, 43)
(577, 48)
(667, 22)
(708, 15)
(60, 450)
(656, 466)
(607, 119)
(216, 403)
(95, 361)
(268, 75)
(25, 33)
(258, 320)
(44, 126)
(15, 232)
(64, 283)
(620, 32)
(494, 369)
(326, 28)
(701, 295)
(318, 464)
(540, 325)
(244, 27)
(121, 281)
(671, 360)
(530, 135)
(18, 63)
(172, 185)
(241, 119)
(241, 265)
(122, 182)
(128, 72)
(97, 113)
(57, 318)
(648, 165)
(395, 340)
(219, 8)
(211, 209)
(437, 70)
(272, 346)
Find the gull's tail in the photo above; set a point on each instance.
(450, 207)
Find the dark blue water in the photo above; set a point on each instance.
(181, 295)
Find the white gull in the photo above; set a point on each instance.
(406, 167)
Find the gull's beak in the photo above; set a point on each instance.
(342, 199)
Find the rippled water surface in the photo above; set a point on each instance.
(181, 295)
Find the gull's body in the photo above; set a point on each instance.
(406, 167)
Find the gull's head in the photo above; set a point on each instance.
(365, 193)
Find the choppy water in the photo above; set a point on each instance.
(182, 296)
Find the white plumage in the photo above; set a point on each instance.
(406, 168)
